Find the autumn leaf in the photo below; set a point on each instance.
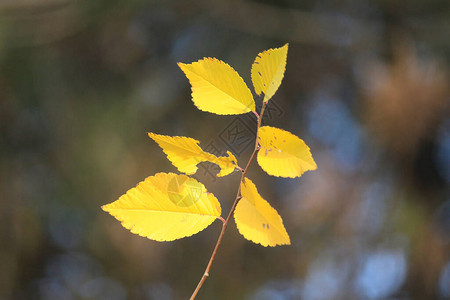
(256, 220)
(283, 154)
(166, 207)
(218, 88)
(268, 71)
(186, 154)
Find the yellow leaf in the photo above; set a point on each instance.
(218, 88)
(166, 207)
(256, 220)
(185, 154)
(268, 71)
(283, 154)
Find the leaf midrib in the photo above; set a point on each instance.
(219, 89)
(281, 232)
(163, 211)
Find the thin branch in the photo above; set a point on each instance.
(230, 214)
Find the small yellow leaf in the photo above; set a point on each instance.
(268, 71)
(257, 221)
(166, 207)
(283, 154)
(218, 88)
(185, 154)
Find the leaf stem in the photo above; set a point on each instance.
(236, 200)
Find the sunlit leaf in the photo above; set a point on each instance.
(166, 207)
(185, 154)
(283, 154)
(268, 71)
(218, 88)
(256, 220)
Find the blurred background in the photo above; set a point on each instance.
(366, 87)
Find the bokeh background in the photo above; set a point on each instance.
(366, 86)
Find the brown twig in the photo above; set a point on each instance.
(230, 214)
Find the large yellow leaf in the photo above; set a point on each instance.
(256, 220)
(218, 88)
(283, 154)
(185, 154)
(166, 207)
(268, 71)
